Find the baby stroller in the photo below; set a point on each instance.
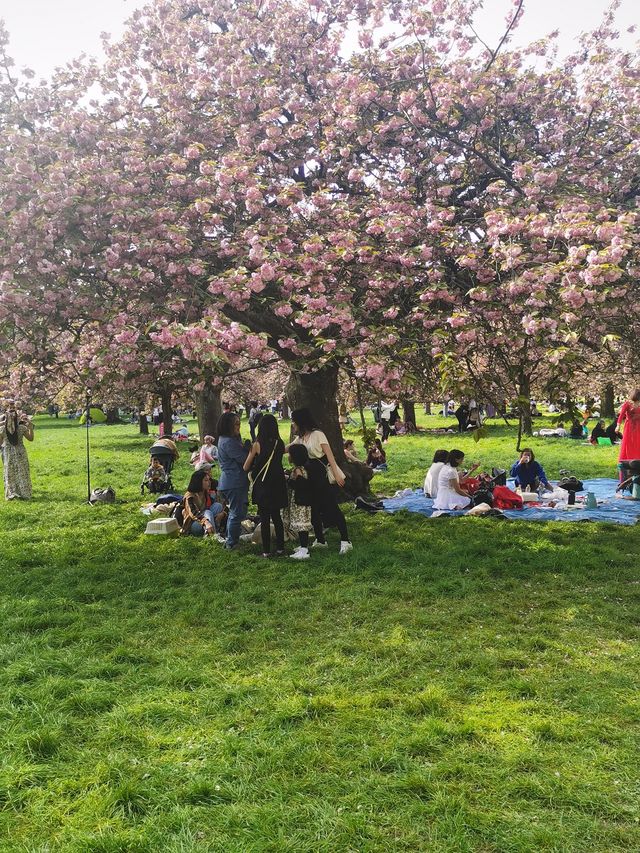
(156, 481)
(165, 458)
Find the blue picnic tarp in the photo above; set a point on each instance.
(611, 508)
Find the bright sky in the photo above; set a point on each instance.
(48, 33)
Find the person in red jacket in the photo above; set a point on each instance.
(630, 417)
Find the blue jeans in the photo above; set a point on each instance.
(238, 501)
(210, 514)
(196, 529)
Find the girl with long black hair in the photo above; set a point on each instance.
(269, 486)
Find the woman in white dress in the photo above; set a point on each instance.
(14, 428)
(430, 487)
(451, 495)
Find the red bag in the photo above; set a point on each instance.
(505, 498)
(471, 484)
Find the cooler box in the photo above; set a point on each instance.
(163, 527)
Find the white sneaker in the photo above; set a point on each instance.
(345, 547)
(300, 554)
(220, 538)
(317, 544)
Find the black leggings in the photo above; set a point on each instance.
(267, 515)
(332, 516)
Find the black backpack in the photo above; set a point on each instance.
(571, 484)
(483, 496)
(499, 476)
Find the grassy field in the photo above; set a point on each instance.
(452, 685)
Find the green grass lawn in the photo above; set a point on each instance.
(450, 685)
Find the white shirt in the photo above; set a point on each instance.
(431, 480)
(313, 441)
(386, 409)
(447, 497)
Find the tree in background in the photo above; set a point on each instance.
(427, 193)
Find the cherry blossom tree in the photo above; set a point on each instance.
(240, 182)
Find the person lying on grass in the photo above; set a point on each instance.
(528, 472)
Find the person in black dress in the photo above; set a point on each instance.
(269, 484)
(310, 487)
(462, 414)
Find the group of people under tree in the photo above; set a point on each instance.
(308, 493)
(448, 489)
(376, 454)
(388, 420)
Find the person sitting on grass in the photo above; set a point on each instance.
(610, 432)
(450, 495)
(199, 511)
(350, 450)
(376, 456)
(430, 487)
(529, 473)
(576, 431)
(155, 477)
(208, 452)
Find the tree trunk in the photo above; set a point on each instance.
(318, 392)
(143, 424)
(167, 411)
(409, 412)
(284, 403)
(209, 409)
(607, 402)
(518, 448)
(361, 406)
(524, 405)
(113, 417)
(427, 408)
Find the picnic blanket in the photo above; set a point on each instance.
(610, 508)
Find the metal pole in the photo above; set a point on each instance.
(87, 417)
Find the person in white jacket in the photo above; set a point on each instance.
(430, 488)
(387, 419)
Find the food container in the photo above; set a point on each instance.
(163, 527)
